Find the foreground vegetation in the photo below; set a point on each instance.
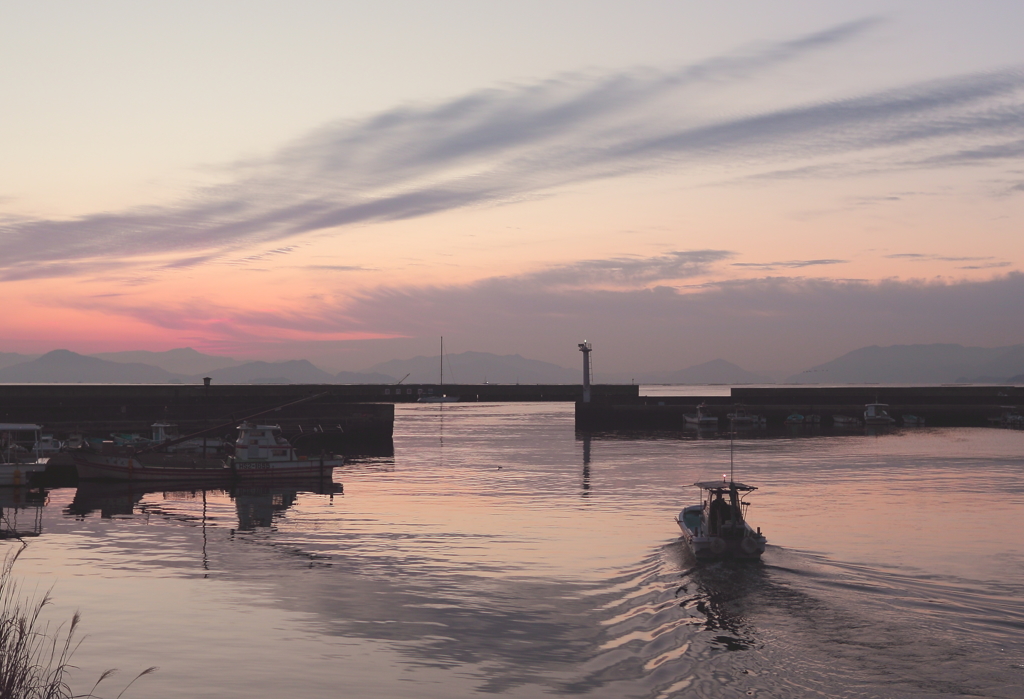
(35, 659)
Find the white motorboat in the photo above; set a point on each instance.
(701, 419)
(845, 421)
(740, 418)
(260, 450)
(717, 528)
(19, 456)
(913, 421)
(876, 414)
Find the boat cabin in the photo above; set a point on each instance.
(263, 443)
(18, 442)
(723, 508)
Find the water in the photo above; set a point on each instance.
(498, 553)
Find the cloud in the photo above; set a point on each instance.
(627, 306)
(507, 143)
(630, 270)
(789, 264)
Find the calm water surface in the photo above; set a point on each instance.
(500, 553)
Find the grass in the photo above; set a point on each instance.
(35, 659)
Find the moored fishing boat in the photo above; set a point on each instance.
(20, 459)
(261, 451)
(701, 419)
(876, 414)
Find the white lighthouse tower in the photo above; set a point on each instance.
(586, 349)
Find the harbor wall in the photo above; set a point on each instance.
(949, 406)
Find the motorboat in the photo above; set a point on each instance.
(261, 450)
(876, 414)
(794, 419)
(20, 460)
(845, 421)
(701, 419)
(913, 421)
(741, 418)
(717, 528)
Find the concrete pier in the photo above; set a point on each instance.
(941, 406)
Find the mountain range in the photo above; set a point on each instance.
(926, 364)
(906, 364)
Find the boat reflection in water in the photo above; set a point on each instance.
(21, 512)
(257, 504)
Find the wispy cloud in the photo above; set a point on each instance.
(788, 264)
(504, 144)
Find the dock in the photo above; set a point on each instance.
(940, 406)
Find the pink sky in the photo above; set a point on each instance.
(774, 191)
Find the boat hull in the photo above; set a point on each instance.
(173, 467)
(747, 546)
(19, 474)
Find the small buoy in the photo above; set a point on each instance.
(748, 546)
(718, 545)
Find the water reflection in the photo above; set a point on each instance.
(21, 512)
(257, 505)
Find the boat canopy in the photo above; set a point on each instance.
(723, 485)
(16, 427)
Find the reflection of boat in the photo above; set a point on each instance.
(717, 527)
(19, 462)
(876, 414)
(441, 397)
(21, 512)
(845, 421)
(252, 500)
(701, 419)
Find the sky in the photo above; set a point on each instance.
(774, 184)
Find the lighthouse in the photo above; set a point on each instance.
(586, 349)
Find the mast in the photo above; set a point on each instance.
(442, 365)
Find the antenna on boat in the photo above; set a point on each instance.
(732, 434)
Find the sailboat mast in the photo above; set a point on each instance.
(442, 363)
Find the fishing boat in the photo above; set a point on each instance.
(20, 460)
(740, 418)
(701, 419)
(717, 528)
(845, 421)
(876, 414)
(440, 397)
(260, 452)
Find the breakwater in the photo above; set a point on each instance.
(98, 410)
(354, 417)
(949, 406)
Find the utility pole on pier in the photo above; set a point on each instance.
(586, 349)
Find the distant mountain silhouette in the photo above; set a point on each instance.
(715, 371)
(919, 364)
(361, 377)
(294, 371)
(11, 358)
(63, 366)
(478, 367)
(183, 360)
